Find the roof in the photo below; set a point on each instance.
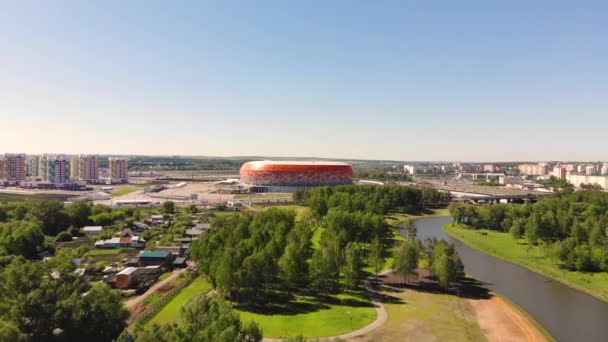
(92, 229)
(127, 271)
(139, 225)
(194, 232)
(295, 162)
(205, 225)
(157, 217)
(154, 254)
(179, 261)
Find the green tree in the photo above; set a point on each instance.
(353, 265)
(168, 207)
(406, 259)
(376, 255)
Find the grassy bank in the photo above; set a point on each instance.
(519, 252)
(170, 313)
(311, 318)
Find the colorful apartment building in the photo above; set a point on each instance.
(88, 168)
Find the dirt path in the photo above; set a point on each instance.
(135, 305)
(500, 321)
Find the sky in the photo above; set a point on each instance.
(399, 80)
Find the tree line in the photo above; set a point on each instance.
(572, 226)
(371, 198)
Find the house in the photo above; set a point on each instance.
(194, 233)
(132, 262)
(202, 226)
(234, 204)
(121, 241)
(149, 258)
(138, 226)
(174, 250)
(179, 263)
(157, 219)
(127, 277)
(92, 230)
(108, 243)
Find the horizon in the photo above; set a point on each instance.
(373, 81)
(304, 158)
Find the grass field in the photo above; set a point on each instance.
(426, 316)
(308, 317)
(503, 246)
(170, 312)
(9, 197)
(127, 189)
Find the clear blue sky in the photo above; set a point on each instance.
(519, 80)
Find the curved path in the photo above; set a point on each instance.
(381, 317)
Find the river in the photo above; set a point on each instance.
(567, 314)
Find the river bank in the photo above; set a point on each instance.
(503, 246)
(421, 311)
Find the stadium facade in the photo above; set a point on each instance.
(287, 176)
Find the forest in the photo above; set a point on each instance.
(573, 227)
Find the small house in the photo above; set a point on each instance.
(179, 263)
(138, 226)
(157, 219)
(92, 230)
(127, 278)
(153, 258)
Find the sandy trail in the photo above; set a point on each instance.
(500, 321)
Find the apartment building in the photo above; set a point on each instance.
(119, 168)
(13, 166)
(88, 168)
(533, 169)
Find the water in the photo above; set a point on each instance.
(567, 314)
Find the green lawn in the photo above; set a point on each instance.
(311, 318)
(502, 245)
(170, 312)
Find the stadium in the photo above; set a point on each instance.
(291, 175)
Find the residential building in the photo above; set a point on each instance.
(127, 277)
(75, 167)
(489, 168)
(88, 168)
(533, 169)
(578, 179)
(411, 169)
(590, 170)
(92, 230)
(14, 167)
(119, 168)
(32, 167)
(148, 258)
(2, 169)
(559, 172)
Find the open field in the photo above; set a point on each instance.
(126, 189)
(12, 197)
(311, 318)
(420, 311)
(170, 313)
(502, 245)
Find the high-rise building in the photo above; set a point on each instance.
(590, 170)
(119, 168)
(559, 172)
(54, 169)
(75, 167)
(88, 169)
(2, 169)
(14, 167)
(32, 167)
(58, 170)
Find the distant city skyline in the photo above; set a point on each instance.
(473, 81)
